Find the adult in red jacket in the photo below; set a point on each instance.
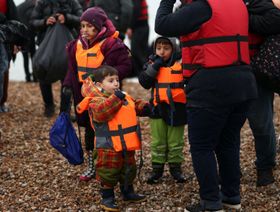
(215, 59)
(103, 48)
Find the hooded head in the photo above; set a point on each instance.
(174, 42)
(95, 16)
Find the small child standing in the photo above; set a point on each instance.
(113, 117)
(163, 73)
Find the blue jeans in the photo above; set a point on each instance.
(4, 65)
(214, 133)
(260, 118)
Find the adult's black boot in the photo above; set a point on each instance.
(264, 177)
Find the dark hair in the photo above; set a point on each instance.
(102, 72)
(164, 41)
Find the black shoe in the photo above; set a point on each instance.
(264, 177)
(154, 177)
(176, 172)
(230, 205)
(49, 111)
(199, 208)
(4, 108)
(156, 174)
(108, 202)
(28, 78)
(130, 196)
(178, 177)
(231, 202)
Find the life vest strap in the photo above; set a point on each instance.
(170, 85)
(91, 54)
(188, 66)
(88, 71)
(119, 132)
(219, 39)
(176, 71)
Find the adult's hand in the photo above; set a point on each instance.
(51, 20)
(276, 3)
(16, 49)
(60, 18)
(129, 33)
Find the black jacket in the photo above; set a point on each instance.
(264, 17)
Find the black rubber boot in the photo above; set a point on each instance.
(108, 202)
(265, 177)
(156, 174)
(130, 196)
(176, 172)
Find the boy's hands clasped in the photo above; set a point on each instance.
(120, 94)
(156, 61)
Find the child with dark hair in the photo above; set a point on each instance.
(163, 73)
(113, 116)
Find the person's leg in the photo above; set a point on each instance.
(158, 149)
(204, 130)
(3, 106)
(128, 175)
(65, 100)
(228, 156)
(4, 66)
(89, 173)
(260, 118)
(175, 140)
(32, 50)
(109, 165)
(46, 91)
(1, 85)
(26, 66)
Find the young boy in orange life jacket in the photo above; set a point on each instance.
(163, 73)
(113, 117)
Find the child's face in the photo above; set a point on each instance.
(110, 84)
(88, 31)
(164, 51)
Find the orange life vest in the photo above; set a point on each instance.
(89, 59)
(123, 130)
(221, 41)
(169, 85)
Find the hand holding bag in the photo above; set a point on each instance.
(50, 61)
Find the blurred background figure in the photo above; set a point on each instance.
(84, 4)
(138, 33)
(118, 11)
(24, 13)
(8, 11)
(46, 13)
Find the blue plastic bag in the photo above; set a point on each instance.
(64, 139)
